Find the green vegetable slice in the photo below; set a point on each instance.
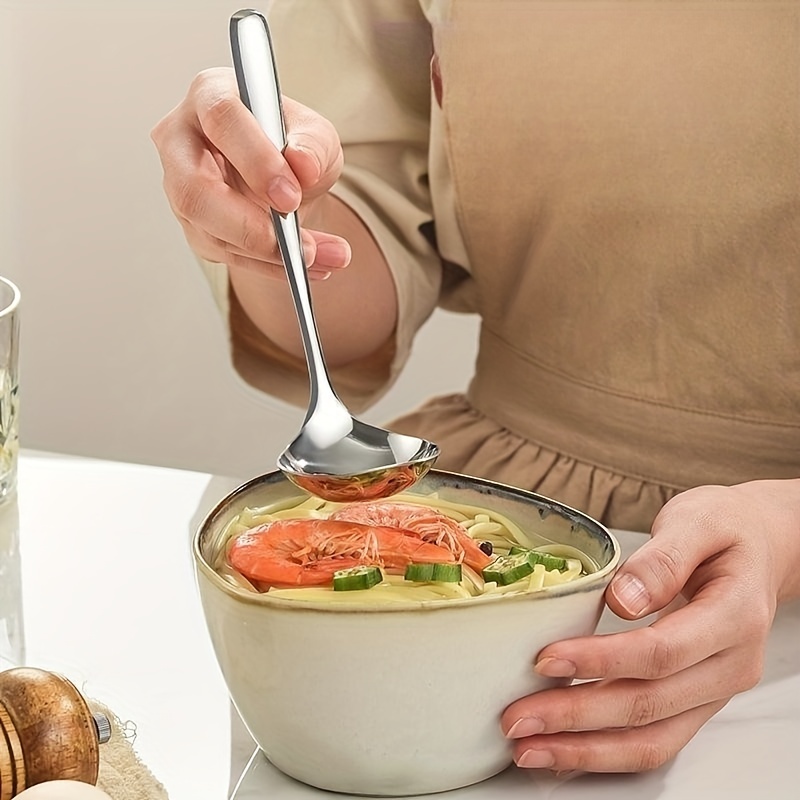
(348, 580)
(535, 557)
(443, 573)
(508, 569)
(447, 573)
(419, 572)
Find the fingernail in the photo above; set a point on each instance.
(312, 156)
(536, 759)
(556, 668)
(318, 274)
(565, 774)
(631, 594)
(284, 194)
(525, 726)
(333, 254)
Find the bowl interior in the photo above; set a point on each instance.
(534, 513)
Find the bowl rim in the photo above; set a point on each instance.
(263, 599)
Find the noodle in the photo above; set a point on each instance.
(480, 524)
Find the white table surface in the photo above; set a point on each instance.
(95, 569)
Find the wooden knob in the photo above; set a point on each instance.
(47, 731)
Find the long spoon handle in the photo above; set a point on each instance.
(259, 89)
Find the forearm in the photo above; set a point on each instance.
(356, 308)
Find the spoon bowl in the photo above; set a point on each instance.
(335, 456)
(381, 463)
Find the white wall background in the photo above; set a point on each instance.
(123, 353)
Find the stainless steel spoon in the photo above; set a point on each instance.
(335, 455)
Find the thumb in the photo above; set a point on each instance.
(646, 583)
(657, 572)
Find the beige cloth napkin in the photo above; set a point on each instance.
(123, 775)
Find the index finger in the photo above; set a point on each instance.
(712, 622)
(230, 127)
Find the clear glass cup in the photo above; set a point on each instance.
(12, 629)
(9, 386)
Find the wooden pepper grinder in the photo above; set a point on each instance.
(47, 731)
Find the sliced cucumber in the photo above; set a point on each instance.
(508, 569)
(437, 573)
(537, 557)
(348, 580)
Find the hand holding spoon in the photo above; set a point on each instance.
(335, 456)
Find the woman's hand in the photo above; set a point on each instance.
(733, 553)
(222, 175)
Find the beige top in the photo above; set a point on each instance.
(615, 189)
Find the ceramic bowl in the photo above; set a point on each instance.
(394, 700)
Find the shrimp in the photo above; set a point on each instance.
(306, 552)
(431, 525)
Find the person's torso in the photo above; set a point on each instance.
(627, 179)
